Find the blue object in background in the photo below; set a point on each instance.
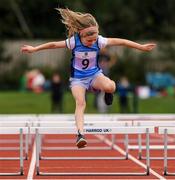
(160, 80)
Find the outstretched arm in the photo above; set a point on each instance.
(49, 45)
(131, 44)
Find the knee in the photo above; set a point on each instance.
(110, 87)
(81, 103)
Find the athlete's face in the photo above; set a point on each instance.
(89, 40)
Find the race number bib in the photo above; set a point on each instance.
(85, 60)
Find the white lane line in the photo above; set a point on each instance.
(152, 147)
(32, 163)
(108, 142)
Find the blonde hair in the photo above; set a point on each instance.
(76, 21)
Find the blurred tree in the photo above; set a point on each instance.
(10, 73)
(150, 19)
(4, 58)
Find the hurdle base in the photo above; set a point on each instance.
(93, 174)
(75, 148)
(12, 174)
(82, 158)
(12, 158)
(166, 173)
(156, 158)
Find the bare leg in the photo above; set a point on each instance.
(78, 93)
(106, 85)
(103, 83)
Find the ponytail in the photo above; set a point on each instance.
(76, 21)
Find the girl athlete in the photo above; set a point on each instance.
(85, 43)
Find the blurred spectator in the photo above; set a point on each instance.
(100, 104)
(23, 82)
(32, 80)
(106, 61)
(30, 76)
(56, 93)
(135, 99)
(38, 82)
(123, 89)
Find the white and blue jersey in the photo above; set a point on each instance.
(84, 62)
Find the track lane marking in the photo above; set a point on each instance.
(120, 150)
(32, 163)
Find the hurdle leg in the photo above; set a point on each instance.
(165, 152)
(39, 136)
(27, 144)
(112, 140)
(30, 138)
(37, 152)
(140, 146)
(147, 152)
(39, 145)
(126, 146)
(21, 153)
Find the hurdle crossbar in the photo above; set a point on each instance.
(166, 131)
(93, 130)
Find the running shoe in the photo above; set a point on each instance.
(81, 141)
(108, 97)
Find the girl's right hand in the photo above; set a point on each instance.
(27, 49)
(148, 47)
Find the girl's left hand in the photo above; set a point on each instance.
(148, 47)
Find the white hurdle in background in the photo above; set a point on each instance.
(92, 130)
(152, 147)
(147, 117)
(71, 117)
(20, 132)
(18, 124)
(14, 118)
(166, 131)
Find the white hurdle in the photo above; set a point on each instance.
(71, 117)
(147, 117)
(155, 124)
(20, 118)
(20, 131)
(12, 124)
(89, 123)
(166, 131)
(92, 130)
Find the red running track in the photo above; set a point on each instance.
(131, 165)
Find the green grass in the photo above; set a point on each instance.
(16, 102)
(29, 103)
(158, 105)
